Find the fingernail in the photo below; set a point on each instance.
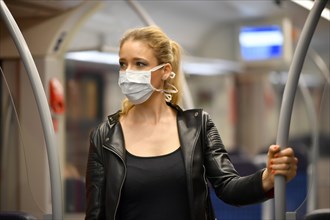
(273, 171)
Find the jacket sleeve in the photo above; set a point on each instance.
(95, 179)
(228, 185)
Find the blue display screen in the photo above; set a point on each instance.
(261, 43)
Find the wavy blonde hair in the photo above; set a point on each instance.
(165, 51)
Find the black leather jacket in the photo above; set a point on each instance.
(205, 159)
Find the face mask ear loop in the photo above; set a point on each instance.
(168, 97)
(157, 67)
(167, 92)
(173, 90)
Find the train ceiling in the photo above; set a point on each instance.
(179, 19)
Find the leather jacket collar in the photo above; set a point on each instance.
(190, 129)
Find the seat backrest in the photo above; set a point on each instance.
(319, 214)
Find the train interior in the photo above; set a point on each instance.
(230, 70)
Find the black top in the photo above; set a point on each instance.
(155, 188)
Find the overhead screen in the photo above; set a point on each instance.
(265, 43)
(258, 43)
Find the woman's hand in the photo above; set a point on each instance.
(281, 162)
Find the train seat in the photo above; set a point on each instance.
(318, 214)
(16, 215)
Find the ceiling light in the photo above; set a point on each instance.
(94, 56)
(190, 65)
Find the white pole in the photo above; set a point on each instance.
(288, 98)
(42, 103)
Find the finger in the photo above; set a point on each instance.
(285, 152)
(282, 166)
(289, 174)
(273, 149)
(279, 158)
(285, 168)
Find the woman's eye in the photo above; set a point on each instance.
(122, 65)
(141, 64)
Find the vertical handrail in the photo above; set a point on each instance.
(42, 104)
(288, 98)
(314, 151)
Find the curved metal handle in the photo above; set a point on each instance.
(288, 97)
(42, 103)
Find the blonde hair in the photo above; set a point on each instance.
(165, 51)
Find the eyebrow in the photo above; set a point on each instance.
(134, 59)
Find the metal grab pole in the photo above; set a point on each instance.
(288, 98)
(314, 152)
(141, 12)
(42, 103)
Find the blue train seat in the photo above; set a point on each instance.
(15, 215)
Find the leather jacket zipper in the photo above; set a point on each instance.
(122, 182)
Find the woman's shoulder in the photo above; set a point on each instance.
(186, 111)
(114, 118)
(102, 129)
(193, 112)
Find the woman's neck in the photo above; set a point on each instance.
(153, 111)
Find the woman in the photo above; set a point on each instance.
(151, 159)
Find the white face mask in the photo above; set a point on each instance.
(136, 85)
